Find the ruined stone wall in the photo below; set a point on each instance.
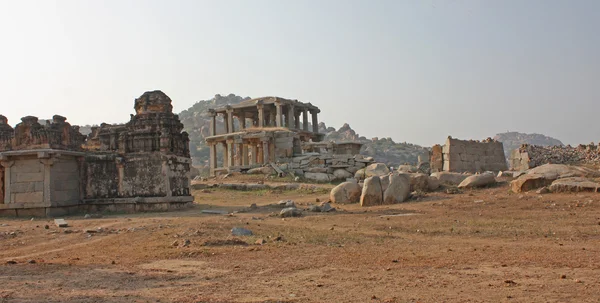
(468, 156)
(2, 184)
(530, 156)
(65, 181)
(136, 175)
(284, 144)
(27, 180)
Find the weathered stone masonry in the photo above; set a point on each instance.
(52, 169)
(468, 156)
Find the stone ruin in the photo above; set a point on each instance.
(275, 132)
(52, 169)
(468, 156)
(530, 156)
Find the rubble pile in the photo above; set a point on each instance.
(530, 156)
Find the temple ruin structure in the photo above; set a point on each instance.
(52, 169)
(268, 130)
(468, 156)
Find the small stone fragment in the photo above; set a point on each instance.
(61, 223)
(240, 231)
(260, 241)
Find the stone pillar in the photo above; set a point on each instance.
(265, 151)
(212, 160)
(239, 155)
(259, 154)
(297, 120)
(315, 121)
(7, 168)
(272, 118)
(245, 154)
(230, 153)
(213, 122)
(225, 152)
(166, 171)
(48, 162)
(278, 114)
(254, 154)
(261, 113)
(289, 121)
(229, 121)
(305, 119)
(241, 117)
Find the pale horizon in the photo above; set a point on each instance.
(415, 71)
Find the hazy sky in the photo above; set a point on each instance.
(416, 71)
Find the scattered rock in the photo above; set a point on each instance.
(11, 262)
(346, 192)
(92, 216)
(253, 206)
(286, 203)
(318, 177)
(574, 184)
(419, 182)
(267, 170)
(240, 231)
(326, 207)
(260, 242)
(480, 180)
(372, 193)
(61, 223)
(31, 261)
(314, 208)
(529, 182)
(290, 212)
(399, 189)
(449, 178)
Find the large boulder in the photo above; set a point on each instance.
(371, 193)
(559, 171)
(449, 178)
(419, 182)
(316, 170)
(478, 180)
(399, 189)
(342, 174)
(574, 184)
(385, 182)
(433, 183)
(376, 169)
(347, 192)
(267, 170)
(407, 168)
(360, 174)
(318, 177)
(528, 182)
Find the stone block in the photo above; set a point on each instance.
(29, 177)
(33, 197)
(26, 187)
(28, 166)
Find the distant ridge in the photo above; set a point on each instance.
(513, 140)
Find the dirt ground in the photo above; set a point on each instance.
(484, 245)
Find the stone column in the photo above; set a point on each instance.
(265, 151)
(225, 154)
(212, 161)
(230, 153)
(241, 117)
(305, 119)
(297, 120)
(7, 168)
(245, 154)
(278, 114)
(48, 162)
(213, 122)
(261, 113)
(315, 121)
(239, 152)
(229, 121)
(290, 117)
(254, 154)
(272, 118)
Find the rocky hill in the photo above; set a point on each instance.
(196, 122)
(513, 140)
